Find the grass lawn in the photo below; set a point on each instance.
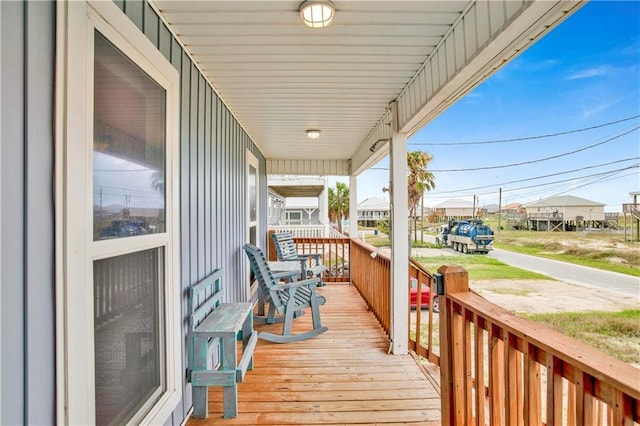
(614, 333)
(480, 267)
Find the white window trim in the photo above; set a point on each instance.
(252, 161)
(75, 250)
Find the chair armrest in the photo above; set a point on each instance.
(303, 283)
(284, 274)
(306, 256)
(317, 257)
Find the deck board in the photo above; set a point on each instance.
(343, 376)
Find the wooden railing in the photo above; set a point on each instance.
(552, 215)
(422, 339)
(308, 231)
(336, 254)
(500, 369)
(371, 275)
(634, 209)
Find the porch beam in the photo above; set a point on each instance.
(399, 242)
(315, 167)
(353, 206)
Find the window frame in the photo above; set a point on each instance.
(252, 161)
(75, 249)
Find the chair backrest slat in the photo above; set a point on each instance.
(263, 274)
(285, 247)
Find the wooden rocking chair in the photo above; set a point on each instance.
(285, 299)
(310, 263)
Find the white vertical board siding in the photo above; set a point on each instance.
(212, 176)
(27, 317)
(486, 35)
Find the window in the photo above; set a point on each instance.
(294, 218)
(119, 339)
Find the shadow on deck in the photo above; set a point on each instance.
(343, 376)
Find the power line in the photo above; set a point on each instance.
(543, 176)
(609, 172)
(550, 135)
(601, 179)
(538, 160)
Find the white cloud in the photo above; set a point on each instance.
(590, 72)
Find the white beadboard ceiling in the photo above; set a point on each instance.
(280, 77)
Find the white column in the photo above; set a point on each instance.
(399, 245)
(353, 206)
(323, 204)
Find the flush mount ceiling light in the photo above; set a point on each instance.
(313, 133)
(317, 13)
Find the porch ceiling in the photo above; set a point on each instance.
(298, 191)
(280, 77)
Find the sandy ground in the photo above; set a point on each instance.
(538, 296)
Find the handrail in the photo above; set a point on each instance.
(489, 354)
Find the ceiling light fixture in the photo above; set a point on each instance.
(313, 133)
(317, 13)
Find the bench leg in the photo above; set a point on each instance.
(247, 330)
(200, 401)
(200, 394)
(229, 363)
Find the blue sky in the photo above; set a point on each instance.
(585, 73)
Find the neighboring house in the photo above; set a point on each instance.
(454, 209)
(302, 211)
(491, 208)
(564, 212)
(297, 200)
(373, 209)
(512, 209)
(275, 207)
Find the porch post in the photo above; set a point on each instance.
(353, 206)
(323, 205)
(399, 240)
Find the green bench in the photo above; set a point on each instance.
(220, 326)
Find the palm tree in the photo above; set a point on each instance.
(339, 203)
(419, 180)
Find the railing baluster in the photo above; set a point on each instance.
(511, 383)
(554, 390)
(531, 386)
(468, 378)
(459, 372)
(496, 352)
(479, 342)
(571, 404)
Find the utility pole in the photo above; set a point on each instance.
(422, 218)
(499, 209)
(474, 206)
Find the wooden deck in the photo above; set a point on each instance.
(343, 376)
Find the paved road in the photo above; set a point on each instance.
(573, 274)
